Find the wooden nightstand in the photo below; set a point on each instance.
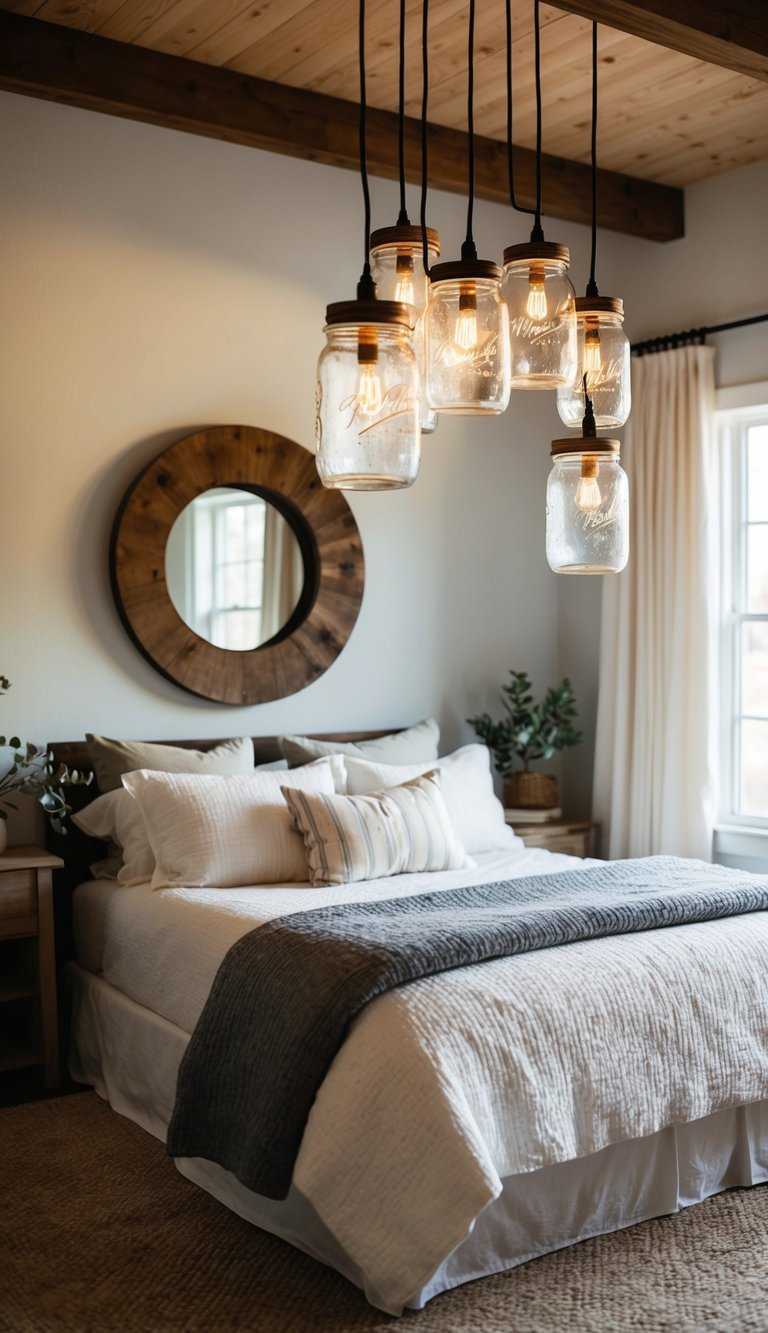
(28, 1020)
(575, 837)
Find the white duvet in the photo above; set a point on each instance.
(453, 1082)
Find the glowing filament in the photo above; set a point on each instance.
(593, 361)
(466, 334)
(588, 497)
(368, 389)
(536, 305)
(404, 290)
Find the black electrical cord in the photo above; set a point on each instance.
(468, 249)
(403, 219)
(424, 101)
(510, 152)
(366, 288)
(537, 234)
(592, 285)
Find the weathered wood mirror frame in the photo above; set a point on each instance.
(284, 474)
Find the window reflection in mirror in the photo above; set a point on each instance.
(234, 568)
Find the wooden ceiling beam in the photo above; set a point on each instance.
(733, 34)
(60, 64)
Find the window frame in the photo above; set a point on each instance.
(216, 507)
(737, 409)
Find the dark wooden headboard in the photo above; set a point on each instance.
(78, 851)
(265, 748)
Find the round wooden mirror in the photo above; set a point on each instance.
(220, 515)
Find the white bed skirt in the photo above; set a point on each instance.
(131, 1057)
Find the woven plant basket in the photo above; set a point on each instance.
(530, 791)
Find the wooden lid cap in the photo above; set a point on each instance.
(600, 305)
(384, 237)
(541, 250)
(460, 270)
(369, 312)
(580, 445)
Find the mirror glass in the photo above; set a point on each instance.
(234, 568)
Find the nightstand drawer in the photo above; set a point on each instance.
(18, 894)
(570, 844)
(571, 837)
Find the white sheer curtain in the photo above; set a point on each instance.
(283, 573)
(657, 707)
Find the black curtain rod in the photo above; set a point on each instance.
(672, 340)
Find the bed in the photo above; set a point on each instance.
(473, 1119)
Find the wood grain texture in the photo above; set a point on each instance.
(674, 114)
(284, 474)
(733, 34)
(80, 69)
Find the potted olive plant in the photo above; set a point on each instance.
(529, 732)
(33, 773)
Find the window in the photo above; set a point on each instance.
(229, 568)
(744, 707)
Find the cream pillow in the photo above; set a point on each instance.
(117, 817)
(466, 783)
(210, 831)
(395, 832)
(111, 759)
(414, 745)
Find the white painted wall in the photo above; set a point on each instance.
(154, 283)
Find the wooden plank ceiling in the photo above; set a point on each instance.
(664, 116)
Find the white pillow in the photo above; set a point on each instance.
(212, 831)
(400, 831)
(414, 745)
(466, 783)
(118, 817)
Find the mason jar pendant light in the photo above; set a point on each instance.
(466, 327)
(602, 344)
(397, 258)
(587, 504)
(537, 290)
(368, 385)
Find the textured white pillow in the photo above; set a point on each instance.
(414, 745)
(117, 816)
(210, 831)
(396, 832)
(475, 810)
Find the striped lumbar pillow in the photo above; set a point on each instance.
(394, 832)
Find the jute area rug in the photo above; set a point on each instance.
(100, 1232)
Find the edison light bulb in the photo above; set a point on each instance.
(404, 290)
(593, 361)
(588, 495)
(368, 390)
(465, 333)
(536, 305)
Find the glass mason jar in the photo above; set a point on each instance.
(467, 339)
(397, 268)
(367, 398)
(587, 508)
(540, 299)
(603, 356)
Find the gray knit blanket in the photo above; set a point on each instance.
(286, 993)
